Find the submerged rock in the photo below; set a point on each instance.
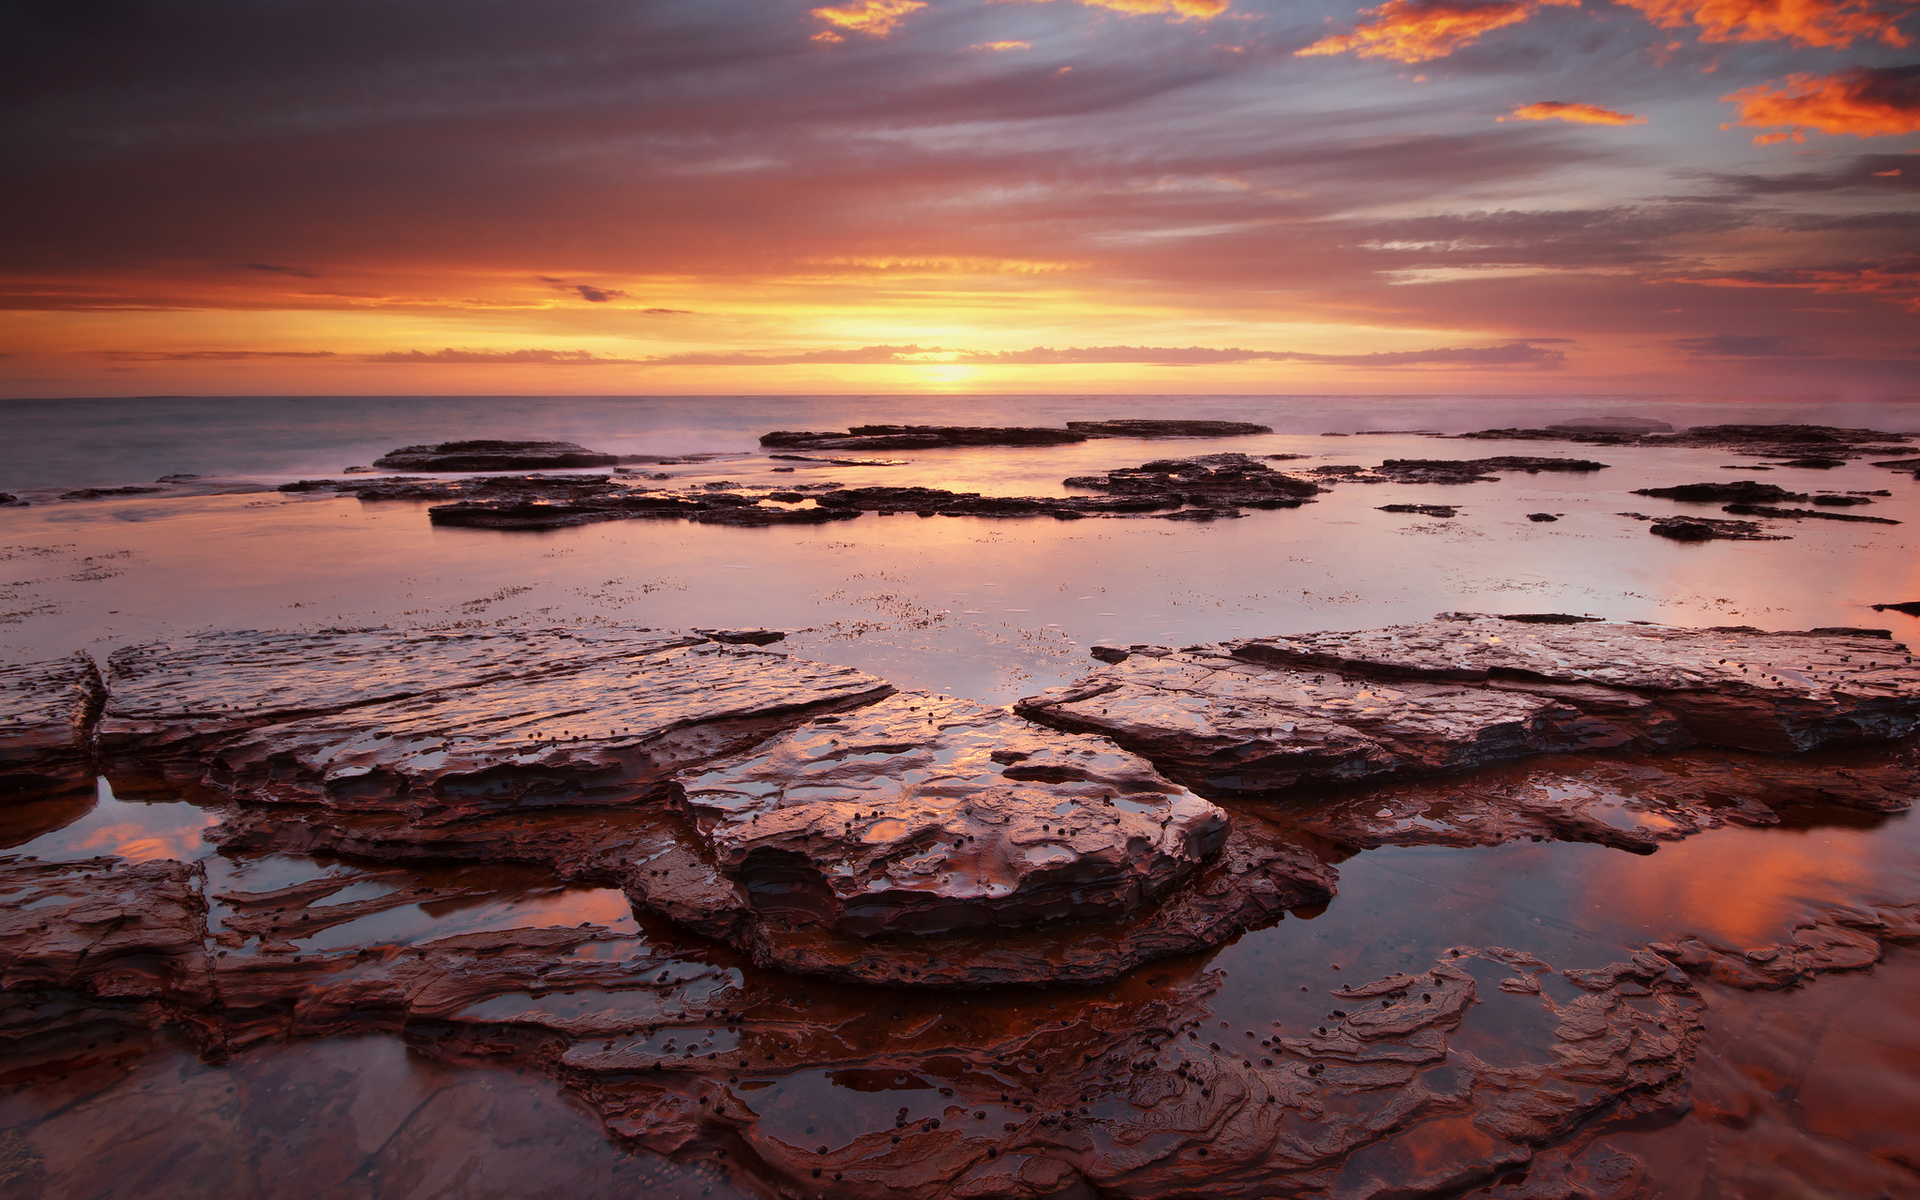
(493, 455)
(47, 712)
(1706, 529)
(1425, 510)
(1462, 691)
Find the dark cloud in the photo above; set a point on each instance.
(1734, 345)
(277, 269)
(1865, 172)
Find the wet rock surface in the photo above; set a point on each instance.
(1706, 529)
(1472, 470)
(1424, 510)
(1270, 714)
(493, 455)
(1801, 514)
(1219, 481)
(926, 814)
(1740, 491)
(1791, 442)
(47, 713)
(445, 725)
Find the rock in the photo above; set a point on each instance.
(47, 713)
(1425, 510)
(446, 726)
(1439, 470)
(93, 493)
(518, 488)
(493, 455)
(1706, 529)
(1740, 491)
(1801, 514)
(1818, 462)
(1909, 607)
(1135, 1097)
(1850, 500)
(1612, 425)
(1150, 428)
(744, 637)
(919, 437)
(924, 814)
(1847, 938)
(105, 929)
(1629, 802)
(1463, 691)
(1210, 480)
(1760, 441)
(1542, 517)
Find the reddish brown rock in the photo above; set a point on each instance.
(1849, 938)
(926, 814)
(105, 930)
(47, 712)
(1136, 1096)
(444, 726)
(1466, 691)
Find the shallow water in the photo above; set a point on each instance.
(989, 609)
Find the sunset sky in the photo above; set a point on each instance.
(692, 196)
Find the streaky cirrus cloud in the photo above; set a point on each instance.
(1579, 114)
(1862, 101)
(1521, 353)
(1803, 22)
(1413, 31)
(875, 18)
(1001, 46)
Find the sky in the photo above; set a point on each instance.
(318, 197)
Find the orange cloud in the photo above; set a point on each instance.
(1182, 10)
(1896, 280)
(1805, 22)
(876, 18)
(1001, 46)
(1579, 114)
(1412, 31)
(1862, 101)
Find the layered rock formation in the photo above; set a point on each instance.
(442, 726)
(1465, 691)
(47, 711)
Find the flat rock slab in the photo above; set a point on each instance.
(1468, 691)
(447, 725)
(493, 455)
(927, 814)
(47, 710)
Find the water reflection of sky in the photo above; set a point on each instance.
(137, 830)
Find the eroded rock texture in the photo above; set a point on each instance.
(47, 711)
(1849, 938)
(101, 929)
(1466, 691)
(1134, 1096)
(445, 725)
(926, 814)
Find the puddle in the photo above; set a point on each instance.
(136, 830)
